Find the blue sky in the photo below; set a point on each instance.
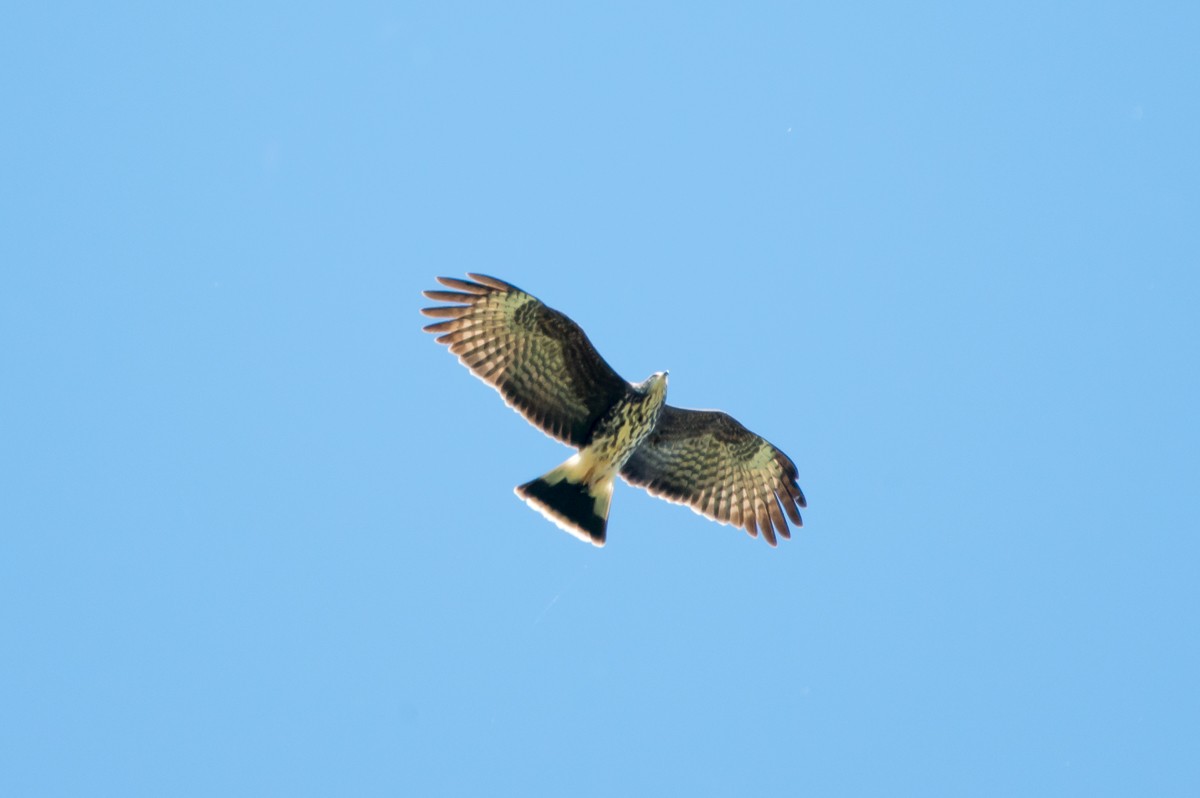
(259, 534)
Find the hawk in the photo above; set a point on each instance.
(545, 368)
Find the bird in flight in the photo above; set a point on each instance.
(546, 369)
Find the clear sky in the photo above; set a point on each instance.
(258, 530)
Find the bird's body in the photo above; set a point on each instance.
(620, 431)
(543, 365)
(577, 494)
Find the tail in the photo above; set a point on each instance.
(565, 497)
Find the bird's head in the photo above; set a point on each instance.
(655, 384)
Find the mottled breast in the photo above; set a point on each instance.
(619, 433)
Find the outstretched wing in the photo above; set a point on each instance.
(708, 461)
(538, 359)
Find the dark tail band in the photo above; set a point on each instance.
(574, 507)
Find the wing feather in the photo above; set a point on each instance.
(776, 514)
(708, 461)
(492, 282)
(538, 359)
(462, 285)
(449, 296)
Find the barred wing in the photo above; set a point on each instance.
(538, 359)
(708, 461)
